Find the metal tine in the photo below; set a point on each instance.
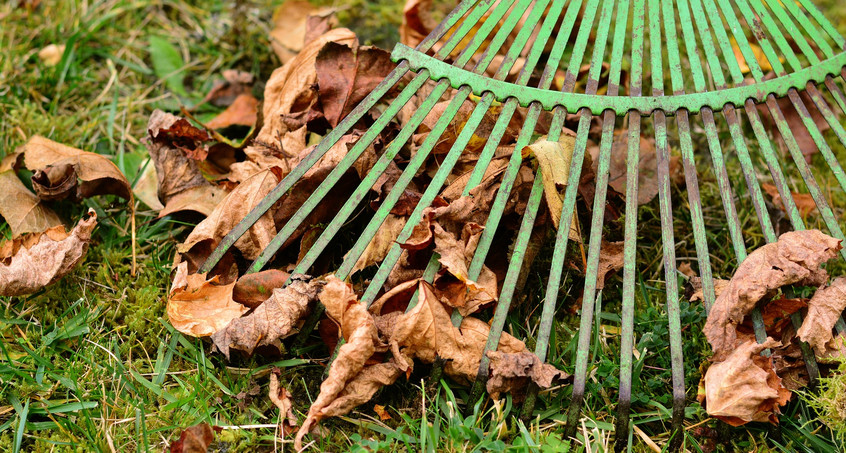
(667, 237)
(384, 160)
(811, 89)
(435, 185)
(688, 162)
(831, 31)
(570, 194)
(521, 243)
(752, 113)
(621, 431)
(354, 116)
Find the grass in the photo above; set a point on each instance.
(91, 364)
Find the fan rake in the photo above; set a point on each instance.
(706, 80)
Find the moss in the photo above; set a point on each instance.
(829, 401)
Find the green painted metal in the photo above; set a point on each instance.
(695, 84)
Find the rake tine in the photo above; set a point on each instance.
(344, 126)
(624, 400)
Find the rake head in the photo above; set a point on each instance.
(702, 86)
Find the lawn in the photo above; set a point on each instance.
(91, 363)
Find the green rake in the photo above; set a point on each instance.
(713, 29)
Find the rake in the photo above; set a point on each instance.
(706, 80)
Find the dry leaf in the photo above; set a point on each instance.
(512, 373)
(234, 84)
(51, 54)
(804, 202)
(794, 259)
(610, 260)
(147, 186)
(253, 289)
(745, 387)
(381, 412)
(62, 171)
(195, 439)
(378, 247)
(281, 397)
(35, 260)
(21, 209)
(290, 27)
(824, 310)
(346, 75)
(647, 181)
(349, 383)
(416, 22)
(242, 112)
(693, 289)
(554, 164)
(200, 307)
(273, 320)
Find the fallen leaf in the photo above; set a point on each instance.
(610, 260)
(760, 57)
(195, 439)
(234, 84)
(21, 209)
(62, 171)
(554, 164)
(693, 289)
(147, 185)
(794, 259)
(200, 307)
(824, 309)
(32, 261)
(416, 22)
(647, 180)
(51, 54)
(381, 243)
(349, 382)
(242, 112)
(745, 387)
(281, 397)
(253, 289)
(513, 372)
(381, 412)
(804, 140)
(686, 270)
(345, 75)
(273, 320)
(804, 202)
(290, 27)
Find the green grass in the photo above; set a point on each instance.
(91, 364)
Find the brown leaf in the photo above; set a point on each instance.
(291, 27)
(273, 320)
(234, 84)
(513, 372)
(35, 260)
(345, 75)
(804, 202)
(281, 397)
(195, 439)
(693, 289)
(290, 95)
(610, 260)
(234, 207)
(51, 54)
(794, 122)
(416, 22)
(381, 412)
(647, 181)
(378, 247)
(21, 209)
(242, 112)
(253, 289)
(349, 382)
(62, 171)
(794, 259)
(824, 310)
(200, 307)
(745, 387)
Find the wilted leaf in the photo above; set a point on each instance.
(610, 261)
(291, 26)
(273, 320)
(21, 209)
(381, 412)
(513, 372)
(200, 307)
(554, 164)
(378, 247)
(345, 75)
(824, 309)
(62, 171)
(195, 439)
(242, 112)
(234, 84)
(281, 397)
(51, 54)
(35, 260)
(693, 289)
(745, 387)
(794, 259)
(253, 289)
(647, 180)
(804, 202)
(146, 186)
(168, 64)
(349, 382)
(416, 22)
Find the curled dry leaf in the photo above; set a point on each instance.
(554, 165)
(824, 310)
(21, 209)
(62, 172)
(610, 261)
(794, 259)
(200, 307)
(512, 373)
(381, 243)
(744, 387)
(273, 320)
(345, 75)
(35, 260)
(416, 22)
(804, 202)
(242, 112)
(349, 382)
(253, 289)
(234, 84)
(195, 439)
(281, 397)
(291, 27)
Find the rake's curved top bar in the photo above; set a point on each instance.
(621, 105)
